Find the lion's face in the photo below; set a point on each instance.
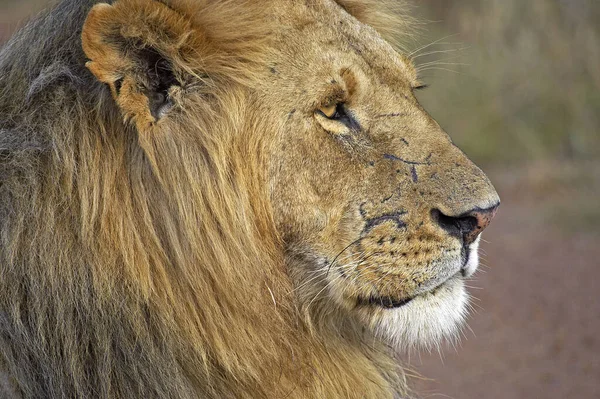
(379, 211)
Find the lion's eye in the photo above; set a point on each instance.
(334, 115)
(335, 112)
(328, 111)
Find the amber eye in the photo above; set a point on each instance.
(334, 112)
(338, 113)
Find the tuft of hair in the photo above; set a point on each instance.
(390, 18)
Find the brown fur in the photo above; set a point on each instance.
(168, 254)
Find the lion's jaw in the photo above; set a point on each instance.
(431, 317)
(427, 319)
(432, 314)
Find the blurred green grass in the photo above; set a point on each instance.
(515, 80)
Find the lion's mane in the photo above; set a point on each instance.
(138, 264)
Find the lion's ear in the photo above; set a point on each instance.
(138, 48)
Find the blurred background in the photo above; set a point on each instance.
(517, 85)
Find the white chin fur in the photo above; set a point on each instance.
(473, 260)
(427, 320)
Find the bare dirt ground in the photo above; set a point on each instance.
(535, 332)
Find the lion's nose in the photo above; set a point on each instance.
(468, 225)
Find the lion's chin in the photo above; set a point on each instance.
(427, 320)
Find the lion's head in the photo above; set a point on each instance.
(230, 199)
(379, 211)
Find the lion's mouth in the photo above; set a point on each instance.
(386, 302)
(390, 302)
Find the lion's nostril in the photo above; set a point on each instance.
(445, 222)
(468, 225)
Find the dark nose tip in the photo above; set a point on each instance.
(468, 225)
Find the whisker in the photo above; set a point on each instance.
(323, 289)
(342, 251)
(320, 273)
(429, 45)
(471, 330)
(443, 59)
(439, 69)
(423, 67)
(439, 52)
(329, 283)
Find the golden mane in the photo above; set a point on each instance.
(144, 263)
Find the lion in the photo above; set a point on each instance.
(225, 199)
